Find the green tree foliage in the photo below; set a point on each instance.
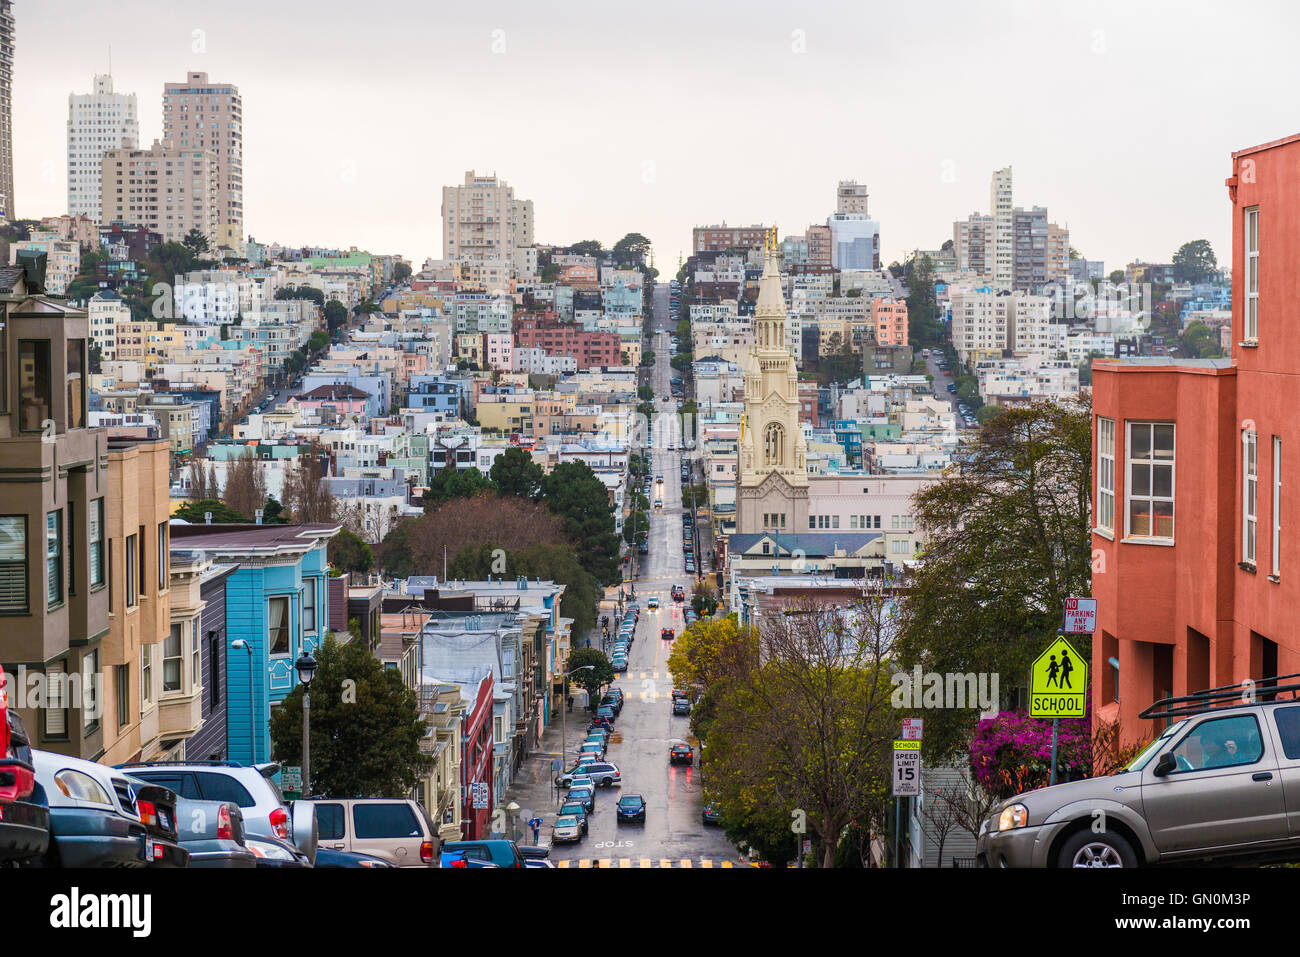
(336, 316)
(573, 492)
(588, 247)
(636, 526)
(401, 272)
(1195, 262)
(366, 733)
(318, 340)
(303, 292)
(195, 242)
(631, 249)
(593, 681)
(1009, 541)
(273, 513)
(1116, 276)
(648, 358)
(451, 483)
(553, 562)
(922, 309)
(515, 473)
(348, 552)
(222, 514)
(1200, 341)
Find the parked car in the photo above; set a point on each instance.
(499, 853)
(575, 809)
(594, 748)
(631, 807)
(584, 795)
(24, 820)
(395, 830)
(329, 857)
(156, 806)
(566, 830)
(273, 854)
(533, 852)
(266, 813)
(681, 754)
(1210, 789)
(681, 706)
(711, 814)
(619, 663)
(212, 831)
(94, 819)
(609, 700)
(604, 774)
(606, 713)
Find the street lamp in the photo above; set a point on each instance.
(306, 666)
(513, 810)
(239, 644)
(564, 739)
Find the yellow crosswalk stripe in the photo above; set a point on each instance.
(664, 862)
(606, 862)
(686, 862)
(561, 863)
(624, 862)
(706, 863)
(585, 862)
(726, 864)
(645, 862)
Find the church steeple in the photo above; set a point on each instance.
(772, 442)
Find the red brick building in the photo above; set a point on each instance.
(554, 338)
(724, 238)
(1196, 570)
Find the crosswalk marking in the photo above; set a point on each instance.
(645, 862)
(706, 863)
(625, 862)
(686, 862)
(664, 862)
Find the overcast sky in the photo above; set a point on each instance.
(654, 117)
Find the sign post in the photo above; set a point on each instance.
(907, 774)
(1058, 683)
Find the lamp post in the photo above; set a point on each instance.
(239, 644)
(306, 666)
(564, 732)
(513, 810)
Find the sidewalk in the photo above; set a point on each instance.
(533, 788)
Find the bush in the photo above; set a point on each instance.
(1012, 753)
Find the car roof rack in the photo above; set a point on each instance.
(1250, 691)
(151, 764)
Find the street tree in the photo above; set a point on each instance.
(222, 514)
(1008, 541)
(596, 678)
(348, 552)
(305, 495)
(366, 726)
(515, 473)
(245, 484)
(573, 492)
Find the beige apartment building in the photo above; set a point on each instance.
(482, 221)
(167, 189)
(199, 114)
(138, 648)
(53, 570)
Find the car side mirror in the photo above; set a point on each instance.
(1164, 765)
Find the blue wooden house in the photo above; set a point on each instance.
(277, 606)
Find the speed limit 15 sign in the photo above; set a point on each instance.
(907, 773)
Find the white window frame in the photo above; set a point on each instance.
(1250, 315)
(1277, 506)
(1105, 474)
(1129, 462)
(1249, 496)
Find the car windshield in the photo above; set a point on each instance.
(572, 810)
(630, 801)
(1141, 761)
(567, 821)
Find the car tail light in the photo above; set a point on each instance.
(459, 863)
(148, 814)
(280, 823)
(426, 852)
(225, 829)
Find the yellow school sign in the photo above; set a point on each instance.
(1058, 682)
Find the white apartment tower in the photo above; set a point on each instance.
(97, 122)
(6, 110)
(1002, 209)
(482, 221)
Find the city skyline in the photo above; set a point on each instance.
(921, 145)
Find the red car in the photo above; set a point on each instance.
(667, 633)
(24, 825)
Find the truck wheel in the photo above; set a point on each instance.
(1087, 849)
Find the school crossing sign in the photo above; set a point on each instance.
(1058, 682)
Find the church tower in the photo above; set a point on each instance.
(772, 485)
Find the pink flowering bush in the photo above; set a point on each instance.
(1012, 753)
